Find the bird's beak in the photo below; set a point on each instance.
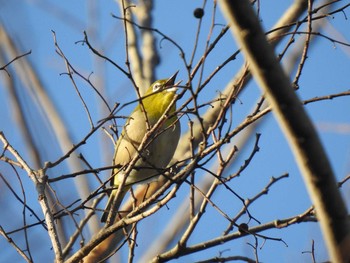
(171, 80)
(170, 84)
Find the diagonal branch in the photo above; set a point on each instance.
(295, 123)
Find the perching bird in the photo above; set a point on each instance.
(155, 157)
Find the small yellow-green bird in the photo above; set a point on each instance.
(158, 153)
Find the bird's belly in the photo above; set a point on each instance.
(155, 158)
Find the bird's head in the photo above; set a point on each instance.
(159, 96)
(163, 85)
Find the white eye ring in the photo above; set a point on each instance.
(156, 87)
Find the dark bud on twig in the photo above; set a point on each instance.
(198, 13)
(243, 228)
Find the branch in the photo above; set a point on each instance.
(298, 129)
(240, 80)
(40, 180)
(10, 241)
(133, 56)
(177, 251)
(228, 259)
(150, 57)
(16, 58)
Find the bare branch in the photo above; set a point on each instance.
(298, 128)
(182, 251)
(10, 241)
(39, 179)
(16, 58)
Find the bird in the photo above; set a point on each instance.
(156, 155)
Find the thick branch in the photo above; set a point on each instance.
(295, 123)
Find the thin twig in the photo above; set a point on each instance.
(18, 249)
(16, 58)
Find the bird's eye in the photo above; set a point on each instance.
(156, 87)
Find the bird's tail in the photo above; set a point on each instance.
(114, 200)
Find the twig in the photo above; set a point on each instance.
(306, 46)
(182, 52)
(133, 59)
(312, 252)
(347, 178)
(70, 74)
(227, 259)
(150, 56)
(79, 230)
(182, 251)
(39, 179)
(87, 42)
(297, 126)
(10, 241)
(16, 58)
